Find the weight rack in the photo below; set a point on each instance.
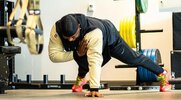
(138, 49)
(46, 84)
(7, 51)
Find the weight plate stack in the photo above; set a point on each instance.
(127, 31)
(145, 75)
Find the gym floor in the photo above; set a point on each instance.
(60, 94)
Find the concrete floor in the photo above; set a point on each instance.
(57, 94)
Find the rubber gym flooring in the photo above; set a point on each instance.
(59, 94)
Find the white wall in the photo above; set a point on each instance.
(52, 10)
(169, 5)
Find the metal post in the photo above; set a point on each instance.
(45, 79)
(138, 34)
(15, 78)
(62, 79)
(2, 18)
(28, 79)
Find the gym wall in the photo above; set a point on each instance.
(52, 10)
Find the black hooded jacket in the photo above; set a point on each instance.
(87, 24)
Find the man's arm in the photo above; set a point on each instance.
(95, 59)
(56, 49)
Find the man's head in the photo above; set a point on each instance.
(69, 27)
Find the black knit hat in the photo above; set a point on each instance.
(68, 25)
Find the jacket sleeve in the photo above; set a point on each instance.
(94, 54)
(56, 50)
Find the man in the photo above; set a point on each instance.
(91, 42)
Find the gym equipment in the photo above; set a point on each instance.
(34, 28)
(143, 75)
(130, 26)
(138, 27)
(7, 53)
(3, 73)
(20, 21)
(142, 6)
(7, 65)
(62, 84)
(28, 79)
(176, 30)
(28, 29)
(176, 81)
(127, 31)
(45, 79)
(137, 31)
(15, 78)
(175, 68)
(134, 87)
(62, 79)
(176, 52)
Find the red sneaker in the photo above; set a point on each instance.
(164, 84)
(78, 86)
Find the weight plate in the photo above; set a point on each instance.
(142, 6)
(145, 75)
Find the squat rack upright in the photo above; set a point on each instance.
(138, 39)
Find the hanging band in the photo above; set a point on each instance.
(32, 32)
(10, 22)
(34, 28)
(19, 27)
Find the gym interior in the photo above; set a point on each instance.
(151, 27)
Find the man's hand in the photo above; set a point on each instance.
(82, 48)
(94, 94)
